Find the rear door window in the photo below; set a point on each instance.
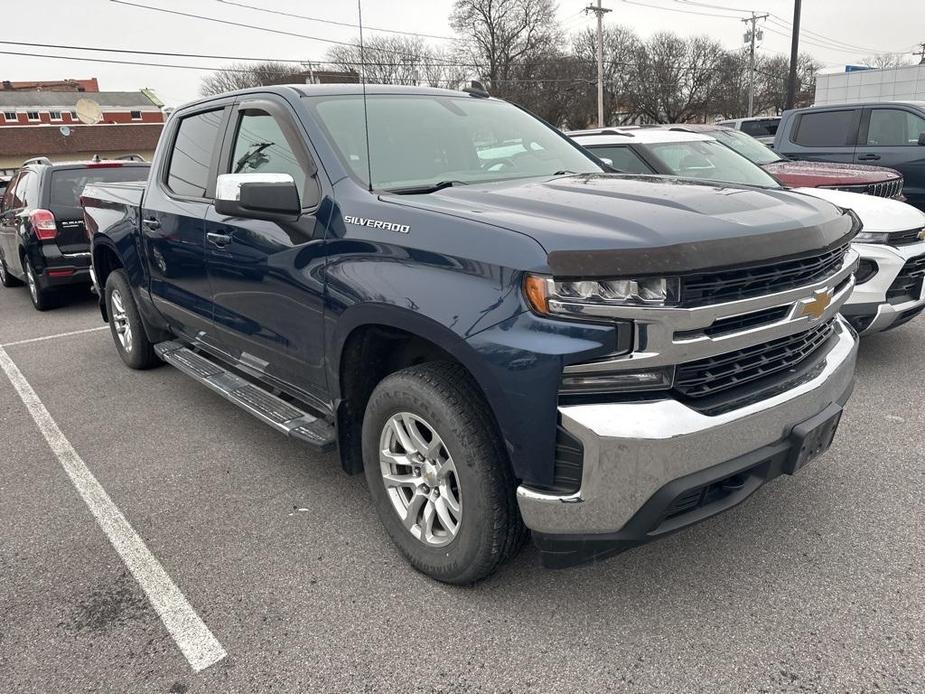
(892, 127)
(624, 159)
(827, 128)
(760, 128)
(9, 197)
(191, 156)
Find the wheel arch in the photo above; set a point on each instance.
(385, 339)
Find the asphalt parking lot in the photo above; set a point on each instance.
(816, 584)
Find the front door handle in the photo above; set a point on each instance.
(220, 240)
(151, 224)
(868, 157)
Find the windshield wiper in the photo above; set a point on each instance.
(428, 188)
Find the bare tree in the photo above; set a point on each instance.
(496, 35)
(245, 75)
(675, 79)
(621, 46)
(775, 73)
(886, 60)
(398, 60)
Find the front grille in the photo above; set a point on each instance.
(747, 282)
(905, 238)
(706, 377)
(908, 284)
(886, 189)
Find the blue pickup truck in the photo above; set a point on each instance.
(502, 333)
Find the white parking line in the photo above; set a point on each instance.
(191, 634)
(53, 337)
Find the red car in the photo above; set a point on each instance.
(855, 178)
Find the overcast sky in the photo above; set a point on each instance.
(867, 26)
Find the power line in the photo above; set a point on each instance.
(251, 27)
(780, 21)
(714, 7)
(334, 22)
(678, 9)
(424, 59)
(123, 62)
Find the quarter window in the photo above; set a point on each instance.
(191, 157)
(261, 147)
(890, 127)
(827, 129)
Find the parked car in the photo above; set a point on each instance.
(498, 332)
(42, 237)
(762, 128)
(889, 289)
(853, 178)
(888, 134)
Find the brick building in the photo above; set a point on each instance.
(44, 123)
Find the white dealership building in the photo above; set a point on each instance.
(895, 84)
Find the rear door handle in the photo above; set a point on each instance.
(868, 157)
(220, 240)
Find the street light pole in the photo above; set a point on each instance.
(794, 56)
(599, 11)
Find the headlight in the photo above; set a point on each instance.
(872, 237)
(575, 297)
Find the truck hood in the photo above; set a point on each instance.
(824, 173)
(605, 224)
(876, 214)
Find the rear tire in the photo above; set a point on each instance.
(444, 492)
(125, 324)
(6, 279)
(42, 299)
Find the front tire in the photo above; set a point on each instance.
(438, 474)
(125, 324)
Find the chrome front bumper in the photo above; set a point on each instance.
(870, 298)
(631, 450)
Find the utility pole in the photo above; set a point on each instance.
(599, 11)
(751, 36)
(920, 53)
(794, 56)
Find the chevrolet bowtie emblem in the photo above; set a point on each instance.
(922, 234)
(817, 305)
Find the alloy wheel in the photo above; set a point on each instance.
(120, 320)
(421, 479)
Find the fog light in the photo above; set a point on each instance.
(866, 270)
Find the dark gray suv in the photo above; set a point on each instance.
(888, 134)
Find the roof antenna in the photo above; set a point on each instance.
(369, 163)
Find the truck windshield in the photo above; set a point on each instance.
(746, 145)
(710, 161)
(421, 140)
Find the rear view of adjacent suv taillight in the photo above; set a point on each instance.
(43, 224)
